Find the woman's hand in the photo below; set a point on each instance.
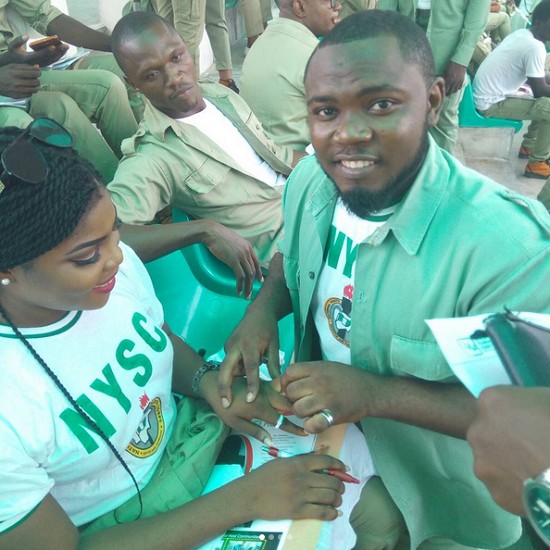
(296, 488)
(268, 407)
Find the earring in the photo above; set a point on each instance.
(5, 281)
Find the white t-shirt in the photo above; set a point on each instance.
(333, 298)
(117, 363)
(215, 125)
(519, 56)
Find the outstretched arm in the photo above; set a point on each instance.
(297, 490)
(256, 337)
(74, 32)
(17, 54)
(351, 394)
(154, 241)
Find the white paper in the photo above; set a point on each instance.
(335, 534)
(474, 360)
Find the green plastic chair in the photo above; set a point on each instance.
(469, 117)
(197, 292)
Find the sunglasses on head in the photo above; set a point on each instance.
(21, 159)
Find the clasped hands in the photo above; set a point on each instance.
(321, 392)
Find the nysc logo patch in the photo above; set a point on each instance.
(150, 431)
(338, 313)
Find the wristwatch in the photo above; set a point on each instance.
(536, 500)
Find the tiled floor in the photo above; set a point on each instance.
(494, 153)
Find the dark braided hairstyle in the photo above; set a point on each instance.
(35, 218)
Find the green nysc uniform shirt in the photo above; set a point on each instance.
(458, 244)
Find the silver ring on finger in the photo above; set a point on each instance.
(327, 415)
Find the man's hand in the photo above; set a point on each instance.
(509, 437)
(256, 338)
(19, 81)
(253, 342)
(17, 53)
(318, 385)
(267, 407)
(237, 253)
(454, 77)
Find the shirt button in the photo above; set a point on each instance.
(311, 275)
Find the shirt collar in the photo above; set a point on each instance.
(416, 210)
(413, 214)
(157, 123)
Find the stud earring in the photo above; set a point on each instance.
(5, 281)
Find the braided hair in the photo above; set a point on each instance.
(34, 219)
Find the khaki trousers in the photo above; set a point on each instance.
(537, 111)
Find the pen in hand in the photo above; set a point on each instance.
(342, 476)
(278, 453)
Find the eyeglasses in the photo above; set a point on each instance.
(334, 3)
(23, 160)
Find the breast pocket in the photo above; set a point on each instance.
(216, 185)
(418, 359)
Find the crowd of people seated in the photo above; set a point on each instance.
(325, 170)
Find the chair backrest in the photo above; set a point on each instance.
(469, 117)
(198, 294)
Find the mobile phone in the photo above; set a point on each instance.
(45, 42)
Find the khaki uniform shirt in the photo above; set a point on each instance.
(170, 163)
(36, 13)
(272, 81)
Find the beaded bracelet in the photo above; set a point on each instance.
(206, 367)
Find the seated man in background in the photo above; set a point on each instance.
(74, 98)
(520, 56)
(198, 148)
(94, 46)
(191, 18)
(499, 25)
(272, 76)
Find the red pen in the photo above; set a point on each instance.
(342, 476)
(273, 451)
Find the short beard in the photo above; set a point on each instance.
(363, 202)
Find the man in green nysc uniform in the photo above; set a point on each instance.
(383, 230)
